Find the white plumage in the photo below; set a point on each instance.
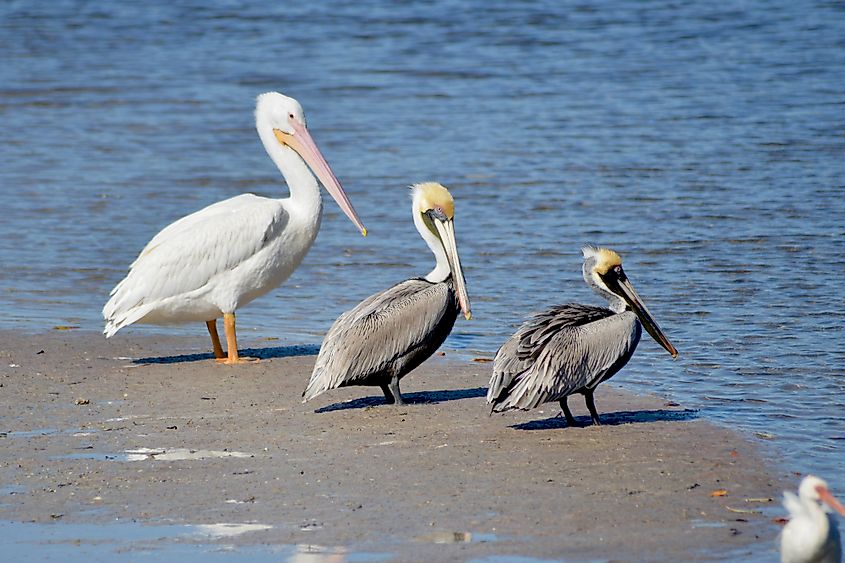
(193, 270)
(210, 263)
(811, 536)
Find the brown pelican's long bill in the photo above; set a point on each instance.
(446, 230)
(626, 291)
(300, 141)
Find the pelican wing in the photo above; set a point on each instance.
(369, 339)
(190, 252)
(793, 505)
(556, 353)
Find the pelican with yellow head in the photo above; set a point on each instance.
(390, 333)
(572, 348)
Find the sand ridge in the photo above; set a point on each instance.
(438, 479)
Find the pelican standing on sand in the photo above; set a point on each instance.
(210, 263)
(811, 536)
(572, 348)
(392, 332)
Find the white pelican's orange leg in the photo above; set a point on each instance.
(215, 339)
(232, 342)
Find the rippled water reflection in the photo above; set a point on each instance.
(704, 141)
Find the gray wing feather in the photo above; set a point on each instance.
(521, 350)
(559, 352)
(371, 337)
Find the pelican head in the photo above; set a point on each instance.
(603, 272)
(434, 213)
(285, 117)
(815, 489)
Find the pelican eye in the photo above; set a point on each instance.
(290, 115)
(437, 213)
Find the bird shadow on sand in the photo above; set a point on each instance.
(260, 353)
(611, 419)
(419, 398)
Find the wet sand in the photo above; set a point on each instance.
(142, 428)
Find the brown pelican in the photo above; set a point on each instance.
(390, 333)
(213, 261)
(572, 348)
(811, 536)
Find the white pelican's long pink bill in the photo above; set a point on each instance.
(304, 145)
(830, 500)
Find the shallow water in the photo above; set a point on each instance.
(705, 142)
(131, 541)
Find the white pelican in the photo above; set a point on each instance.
(811, 536)
(572, 348)
(390, 333)
(213, 261)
